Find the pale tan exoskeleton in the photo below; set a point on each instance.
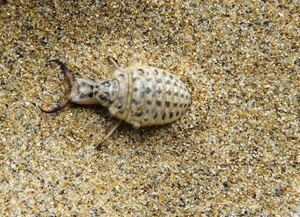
(139, 95)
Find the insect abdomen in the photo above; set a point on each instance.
(153, 96)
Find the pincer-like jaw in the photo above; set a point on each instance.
(71, 82)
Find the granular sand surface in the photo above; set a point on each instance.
(234, 153)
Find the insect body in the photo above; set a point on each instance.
(148, 96)
(141, 95)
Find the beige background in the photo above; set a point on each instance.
(235, 153)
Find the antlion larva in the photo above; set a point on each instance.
(139, 95)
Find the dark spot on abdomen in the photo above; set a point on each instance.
(102, 97)
(159, 91)
(148, 90)
(139, 114)
(135, 79)
(135, 102)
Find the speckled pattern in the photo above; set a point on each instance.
(149, 96)
(234, 153)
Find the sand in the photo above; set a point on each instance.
(234, 153)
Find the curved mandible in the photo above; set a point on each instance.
(71, 82)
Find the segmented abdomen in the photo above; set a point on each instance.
(149, 96)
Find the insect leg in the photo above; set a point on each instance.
(114, 62)
(111, 131)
